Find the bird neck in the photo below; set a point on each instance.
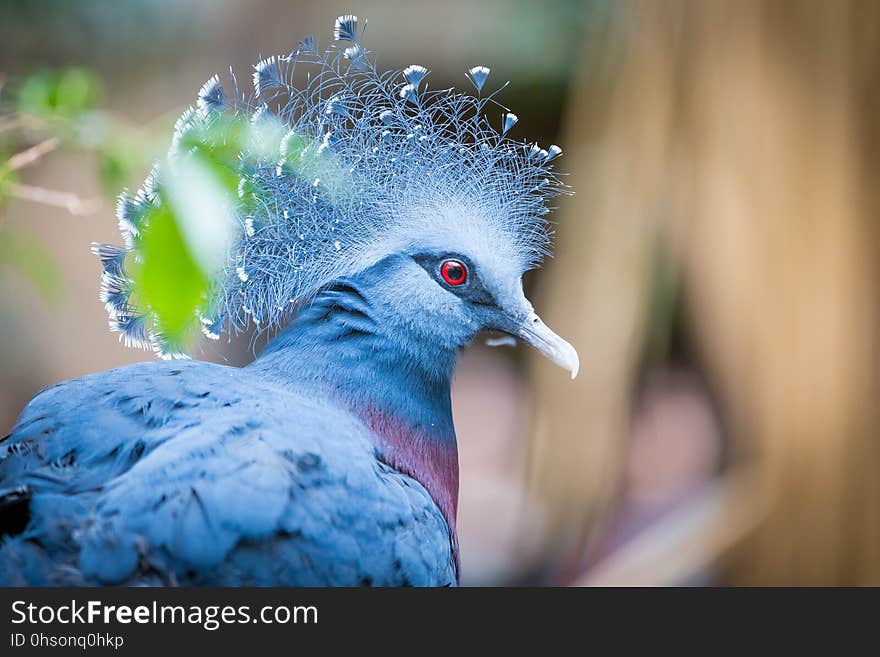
(341, 346)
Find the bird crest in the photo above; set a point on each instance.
(334, 165)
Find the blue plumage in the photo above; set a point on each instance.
(194, 473)
(342, 165)
(386, 228)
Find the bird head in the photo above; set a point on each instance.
(444, 287)
(421, 193)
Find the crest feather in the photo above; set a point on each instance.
(340, 169)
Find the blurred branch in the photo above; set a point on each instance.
(69, 201)
(33, 154)
(683, 547)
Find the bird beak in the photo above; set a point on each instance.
(528, 327)
(536, 333)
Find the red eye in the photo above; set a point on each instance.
(453, 272)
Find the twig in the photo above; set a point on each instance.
(684, 545)
(68, 201)
(33, 154)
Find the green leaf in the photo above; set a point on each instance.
(168, 280)
(59, 95)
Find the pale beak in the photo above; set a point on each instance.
(535, 332)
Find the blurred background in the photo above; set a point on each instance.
(716, 268)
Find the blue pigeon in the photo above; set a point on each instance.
(379, 226)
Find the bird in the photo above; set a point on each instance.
(378, 226)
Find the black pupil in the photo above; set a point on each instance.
(454, 271)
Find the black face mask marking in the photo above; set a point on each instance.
(471, 289)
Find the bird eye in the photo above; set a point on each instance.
(453, 272)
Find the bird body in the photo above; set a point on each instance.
(189, 472)
(378, 228)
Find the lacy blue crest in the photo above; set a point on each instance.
(341, 163)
